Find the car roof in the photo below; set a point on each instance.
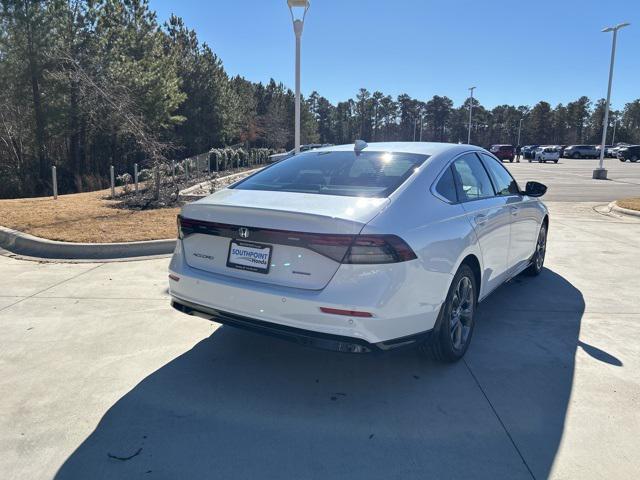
(425, 148)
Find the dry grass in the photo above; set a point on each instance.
(86, 217)
(630, 203)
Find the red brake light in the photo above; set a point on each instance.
(349, 313)
(342, 248)
(379, 249)
(361, 249)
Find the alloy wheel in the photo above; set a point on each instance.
(541, 248)
(461, 316)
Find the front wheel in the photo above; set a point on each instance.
(454, 328)
(634, 159)
(537, 260)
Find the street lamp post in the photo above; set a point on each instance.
(613, 139)
(600, 173)
(519, 130)
(471, 89)
(421, 127)
(298, 25)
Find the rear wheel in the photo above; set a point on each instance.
(576, 155)
(537, 260)
(622, 160)
(454, 328)
(634, 159)
(555, 161)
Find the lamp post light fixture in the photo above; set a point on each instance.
(298, 9)
(471, 89)
(600, 173)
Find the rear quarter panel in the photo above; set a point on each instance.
(438, 232)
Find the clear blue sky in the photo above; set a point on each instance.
(514, 52)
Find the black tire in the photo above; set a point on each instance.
(537, 259)
(555, 161)
(511, 160)
(450, 341)
(575, 155)
(622, 160)
(529, 160)
(634, 159)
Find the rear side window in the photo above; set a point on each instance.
(446, 186)
(473, 180)
(369, 174)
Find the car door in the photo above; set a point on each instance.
(523, 212)
(488, 214)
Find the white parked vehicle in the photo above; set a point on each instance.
(546, 154)
(361, 249)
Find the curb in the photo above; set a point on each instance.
(624, 211)
(28, 245)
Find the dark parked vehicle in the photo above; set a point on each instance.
(503, 152)
(631, 153)
(528, 151)
(581, 151)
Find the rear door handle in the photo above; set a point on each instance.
(514, 210)
(480, 219)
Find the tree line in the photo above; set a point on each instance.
(86, 84)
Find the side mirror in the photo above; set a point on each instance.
(535, 189)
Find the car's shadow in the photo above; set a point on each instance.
(239, 405)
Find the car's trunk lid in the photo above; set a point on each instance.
(280, 238)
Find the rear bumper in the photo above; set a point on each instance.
(308, 338)
(404, 299)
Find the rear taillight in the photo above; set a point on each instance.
(359, 249)
(187, 226)
(352, 249)
(378, 249)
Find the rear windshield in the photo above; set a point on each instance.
(369, 174)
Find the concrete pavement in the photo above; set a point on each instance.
(570, 180)
(95, 367)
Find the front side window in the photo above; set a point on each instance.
(369, 174)
(502, 179)
(473, 181)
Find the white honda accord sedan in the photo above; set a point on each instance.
(361, 248)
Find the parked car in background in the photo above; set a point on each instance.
(617, 147)
(546, 154)
(608, 151)
(527, 151)
(276, 157)
(328, 249)
(631, 153)
(581, 151)
(503, 152)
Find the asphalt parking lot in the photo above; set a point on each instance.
(570, 179)
(100, 378)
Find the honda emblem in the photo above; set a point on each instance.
(244, 232)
